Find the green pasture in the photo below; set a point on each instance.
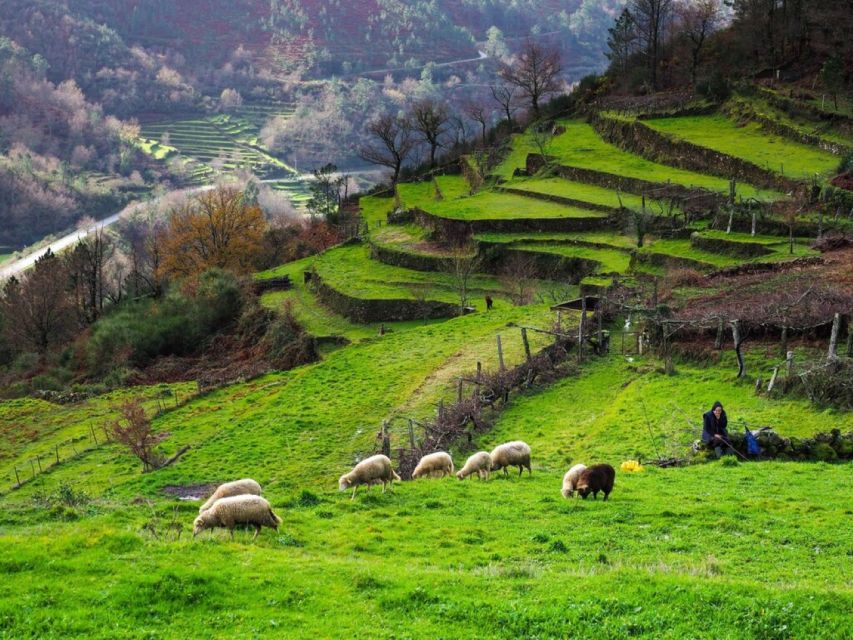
(610, 260)
(591, 238)
(765, 547)
(577, 191)
(750, 142)
(484, 205)
(681, 248)
(580, 146)
(824, 130)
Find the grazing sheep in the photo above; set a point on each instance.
(570, 480)
(372, 470)
(479, 463)
(511, 454)
(598, 477)
(438, 462)
(233, 510)
(243, 487)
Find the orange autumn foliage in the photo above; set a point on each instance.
(214, 229)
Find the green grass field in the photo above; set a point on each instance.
(484, 205)
(89, 546)
(580, 146)
(765, 546)
(750, 142)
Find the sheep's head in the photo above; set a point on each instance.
(344, 483)
(568, 493)
(583, 490)
(417, 473)
(459, 475)
(200, 524)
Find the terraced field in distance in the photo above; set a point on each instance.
(208, 145)
(749, 141)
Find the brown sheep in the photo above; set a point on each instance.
(598, 477)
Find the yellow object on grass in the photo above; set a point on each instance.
(631, 465)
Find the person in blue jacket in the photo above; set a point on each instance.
(714, 433)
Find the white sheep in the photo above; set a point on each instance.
(438, 462)
(234, 510)
(372, 470)
(511, 454)
(570, 480)
(479, 463)
(246, 486)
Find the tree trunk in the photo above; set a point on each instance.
(738, 341)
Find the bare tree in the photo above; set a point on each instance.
(393, 143)
(478, 112)
(652, 18)
(506, 95)
(461, 266)
(460, 129)
(536, 73)
(430, 120)
(87, 273)
(518, 278)
(38, 313)
(697, 21)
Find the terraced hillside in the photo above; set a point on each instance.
(91, 547)
(208, 145)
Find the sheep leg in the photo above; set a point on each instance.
(605, 495)
(354, 489)
(257, 531)
(520, 470)
(383, 486)
(231, 531)
(529, 470)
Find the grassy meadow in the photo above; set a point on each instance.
(90, 547)
(749, 141)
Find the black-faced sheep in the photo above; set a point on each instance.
(570, 480)
(372, 470)
(243, 487)
(229, 512)
(598, 477)
(479, 463)
(434, 463)
(511, 454)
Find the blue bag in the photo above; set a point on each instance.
(752, 447)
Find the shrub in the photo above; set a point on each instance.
(715, 87)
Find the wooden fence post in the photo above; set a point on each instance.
(789, 361)
(718, 342)
(500, 354)
(411, 434)
(17, 477)
(479, 377)
(56, 449)
(386, 439)
(582, 329)
(526, 345)
(832, 356)
(773, 379)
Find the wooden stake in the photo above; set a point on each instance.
(500, 354)
(773, 379)
(17, 477)
(38, 459)
(832, 356)
(56, 449)
(581, 329)
(479, 377)
(789, 364)
(718, 343)
(526, 344)
(737, 340)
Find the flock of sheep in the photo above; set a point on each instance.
(240, 502)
